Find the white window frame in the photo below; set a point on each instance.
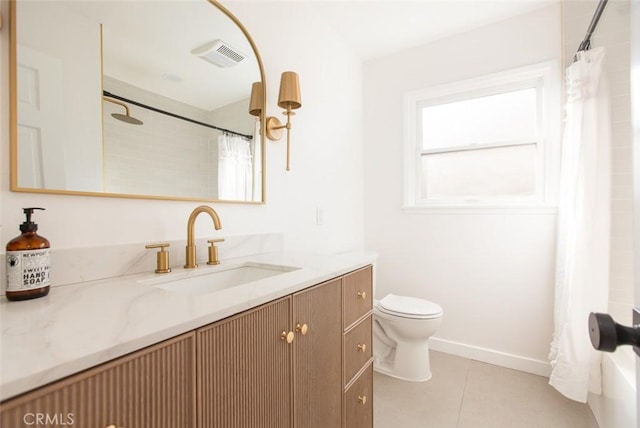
(546, 78)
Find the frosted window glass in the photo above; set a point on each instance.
(494, 172)
(509, 116)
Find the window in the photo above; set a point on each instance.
(483, 142)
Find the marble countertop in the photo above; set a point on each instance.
(82, 325)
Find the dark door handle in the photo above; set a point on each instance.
(607, 335)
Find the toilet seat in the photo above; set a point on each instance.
(409, 307)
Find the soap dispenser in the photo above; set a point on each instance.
(28, 262)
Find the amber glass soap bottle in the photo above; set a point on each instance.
(28, 262)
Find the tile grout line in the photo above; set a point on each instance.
(464, 391)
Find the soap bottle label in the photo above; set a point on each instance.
(28, 270)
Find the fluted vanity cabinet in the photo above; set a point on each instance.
(244, 369)
(279, 365)
(357, 301)
(150, 388)
(301, 361)
(318, 356)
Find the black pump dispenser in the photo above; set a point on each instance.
(29, 226)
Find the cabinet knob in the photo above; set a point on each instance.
(287, 336)
(302, 328)
(362, 294)
(362, 399)
(362, 347)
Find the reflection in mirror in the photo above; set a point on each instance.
(109, 101)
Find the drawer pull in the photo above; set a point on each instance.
(362, 347)
(362, 294)
(287, 336)
(302, 328)
(362, 399)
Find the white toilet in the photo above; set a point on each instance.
(401, 330)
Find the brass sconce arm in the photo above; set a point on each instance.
(274, 131)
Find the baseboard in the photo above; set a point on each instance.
(491, 356)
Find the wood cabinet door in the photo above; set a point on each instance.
(244, 370)
(150, 388)
(318, 356)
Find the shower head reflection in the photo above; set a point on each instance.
(127, 118)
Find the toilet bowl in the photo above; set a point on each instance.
(401, 329)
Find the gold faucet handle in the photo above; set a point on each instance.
(213, 251)
(162, 265)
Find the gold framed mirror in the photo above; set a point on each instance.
(137, 99)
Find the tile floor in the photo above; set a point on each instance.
(465, 393)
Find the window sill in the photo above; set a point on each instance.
(481, 209)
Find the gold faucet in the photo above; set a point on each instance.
(191, 246)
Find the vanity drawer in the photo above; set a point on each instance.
(358, 344)
(357, 296)
(358, 405)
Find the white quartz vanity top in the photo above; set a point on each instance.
(82, 325)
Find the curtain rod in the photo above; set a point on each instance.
(586, 42)
(157, 110)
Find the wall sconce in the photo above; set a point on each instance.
(255, 103)
(289, 99)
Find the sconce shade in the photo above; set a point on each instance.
(289, 91)
(255, 104)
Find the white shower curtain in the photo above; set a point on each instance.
(234, 168)
(582, 258)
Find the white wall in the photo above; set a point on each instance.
(493, 272)
(326, 155)
(326, 164)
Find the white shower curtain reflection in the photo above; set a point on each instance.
(257, 163)
(234, 168)
(582, 259)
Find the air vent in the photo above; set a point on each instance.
(219, 53)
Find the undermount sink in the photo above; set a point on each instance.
(210, 279)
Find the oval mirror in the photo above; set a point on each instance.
(143, 99)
